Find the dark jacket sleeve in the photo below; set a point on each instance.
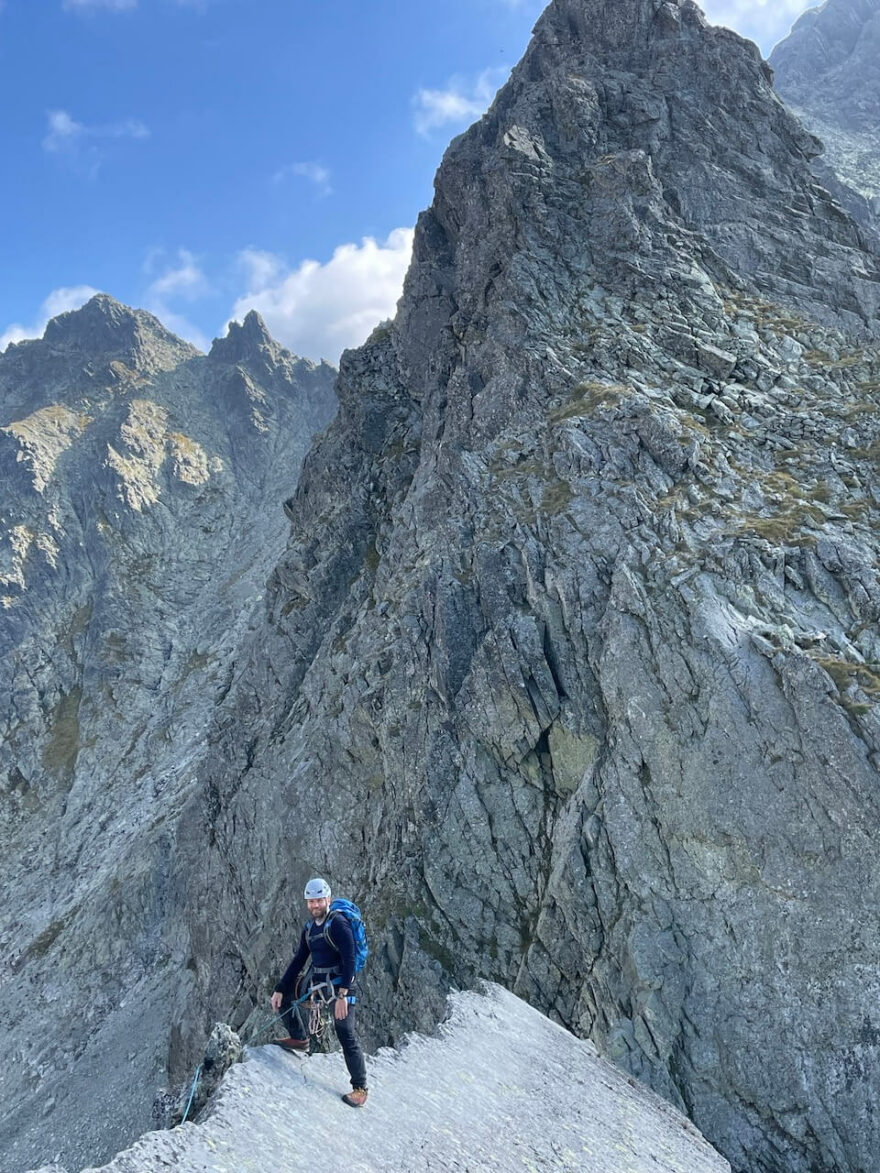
(342, 939)
(288, 982)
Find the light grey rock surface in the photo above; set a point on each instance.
(828, 69)
(142, 509)
(500, 1089)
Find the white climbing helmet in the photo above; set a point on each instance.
(317, 889)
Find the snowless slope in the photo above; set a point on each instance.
(499, 1088)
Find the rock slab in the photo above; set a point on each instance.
(499, 1089)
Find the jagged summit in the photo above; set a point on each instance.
(106, 326)
(635, 148)
(613, 24)
(104, 345)
(244, 340)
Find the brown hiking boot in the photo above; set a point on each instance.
(292, 1044)
(356, 1098)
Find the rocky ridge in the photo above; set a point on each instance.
(828, 69)
(490, 1085)
(571, 666)
(142, 512)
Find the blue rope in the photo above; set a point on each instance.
(192, 1093)
(269, 1023)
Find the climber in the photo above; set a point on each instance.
(329, 942)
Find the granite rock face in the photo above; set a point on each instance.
(828, 69)
(570, 670)
(141, 514)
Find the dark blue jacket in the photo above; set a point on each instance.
(331, 949)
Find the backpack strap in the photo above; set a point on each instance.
(327, 936)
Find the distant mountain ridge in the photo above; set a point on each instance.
(141, 514)
(828, 69)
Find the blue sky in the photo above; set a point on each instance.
(198, 157)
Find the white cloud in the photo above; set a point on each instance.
(764, 21)
(78, 143)
(63, 131)
(314, 172)
(319, 310)
(58, 302)
(180, 279)
(184, 278)
(461, 102)
(262, 268)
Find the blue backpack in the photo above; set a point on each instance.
(352, 914)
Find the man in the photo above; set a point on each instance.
(328, 940)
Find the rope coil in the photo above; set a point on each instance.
(322, 996)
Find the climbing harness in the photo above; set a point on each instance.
(322, 996)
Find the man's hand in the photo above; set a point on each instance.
(277, 999)
(340, 1009)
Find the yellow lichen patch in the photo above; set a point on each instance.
(14, 547)
(49, 548)
(190, 460)
(145, 445)
(137, 466)
(137, 484)
(43, 436)
(143, 433)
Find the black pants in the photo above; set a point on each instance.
(292, 1017)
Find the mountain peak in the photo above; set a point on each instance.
(660, 159)
(105, 326)
(243, 340)
(614, 23)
